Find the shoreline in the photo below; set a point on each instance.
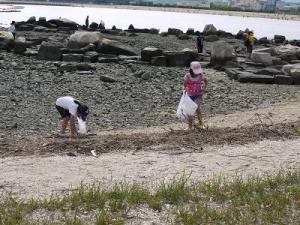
(166, 9)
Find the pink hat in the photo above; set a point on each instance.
(196, 67)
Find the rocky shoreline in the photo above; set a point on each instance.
(133, 77)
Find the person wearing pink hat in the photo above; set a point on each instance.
(195, 84)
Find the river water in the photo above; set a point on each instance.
(163, 20)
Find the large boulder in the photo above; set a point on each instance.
(181, 58)
(62, 22)
(175, 31)
(221, 53)
(31, 19)
(6, 40)
(159, 61)
(286, 50)
(20, 45)
(148, 53)
(114, 47)
(279, 38)
(50, 50)
(262, 57)
(295, 74)
(292, 70)
(209, 29)
(81, 39)
(211, 38)
(94, 26)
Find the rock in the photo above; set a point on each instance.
(108, 60)
(107, 79)
(94, 26)
(20, 45)
(68, 67)
(282, 79)
(211, 38)
(138, 74)
(25, 27)
(72, 57)
(190, 31)
(153, 31)
(295, 61)
(277, 61)
(279, 38)
(286, 50)
(175, 31)
(114, 47)
(133, 35)
(263, 40)
(267, 50)
(246, 77)
(6, 40)
(159, 61)
(295, 74)
(62, 22)
(31, 20)
(181, 58)
(164, 34)
(209, 29)
(149, 52)
(241, 35)
(146, 76)
(221, 53)
(183, 37)
(72, 51)
(84, 67)
(130, 27)
(39, 29)
(262, 57)
(269, 71)
(286, 69)
(232, 72)
(91, 57)
(43, 22)
(30, 52)
(81, 39)
(50, 51)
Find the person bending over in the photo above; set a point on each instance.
(69, 109)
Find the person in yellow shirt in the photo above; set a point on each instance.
(250, 41)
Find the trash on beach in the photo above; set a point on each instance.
(187, 107)
(82, 127)
(94, 153)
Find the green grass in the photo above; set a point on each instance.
(255, 200)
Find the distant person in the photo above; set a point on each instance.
(195, 85)
(12, 29)
(101, 25)
(70, 109)
(87, 22)
(200, 43)
(249, 43)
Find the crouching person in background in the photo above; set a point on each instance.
(70, 109)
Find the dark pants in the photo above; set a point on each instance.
(63, 112)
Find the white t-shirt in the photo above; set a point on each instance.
(12, 29)
(67, 103)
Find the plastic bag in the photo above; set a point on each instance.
(82, 128)
(187, 107)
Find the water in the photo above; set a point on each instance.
(157, 19)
